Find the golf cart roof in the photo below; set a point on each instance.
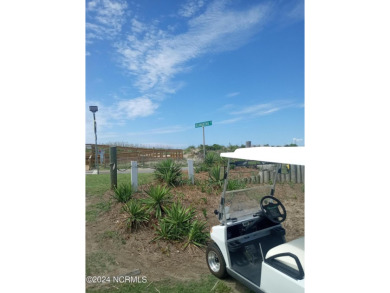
(283, 155)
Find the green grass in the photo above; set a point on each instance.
(207, 284)
(98, 262)
(93, 211)
(114, 236)
(97, 185)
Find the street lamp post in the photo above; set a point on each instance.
(94, 109)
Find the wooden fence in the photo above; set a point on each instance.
(296, 175)
(127, 154)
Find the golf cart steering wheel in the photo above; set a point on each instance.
(271, 210)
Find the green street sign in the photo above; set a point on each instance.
(203, 124)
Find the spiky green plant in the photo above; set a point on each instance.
(169, 172)
(159, 197)
(179, 218)
(123, 192)
(211, 159)
(163, 230)
(137, 214)
(215, 175)
(176, 223)
(235, 184)
(197, 235)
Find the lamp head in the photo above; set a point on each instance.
(93, 109)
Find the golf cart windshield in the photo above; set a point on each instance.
(244, 203)
(238, 205)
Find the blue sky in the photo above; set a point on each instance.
(155, 68)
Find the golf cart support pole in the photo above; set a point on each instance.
(222, 209)
(278, 168)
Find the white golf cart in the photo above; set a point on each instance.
(250, 244)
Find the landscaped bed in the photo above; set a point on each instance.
(113, 248)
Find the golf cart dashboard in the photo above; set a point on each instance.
(252, 228)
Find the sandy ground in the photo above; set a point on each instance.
(118, 252)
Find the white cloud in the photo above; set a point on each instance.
(109, 117)
(162, 130)
(229, 121)
(266, 108)
(190, 7)
(230, 95)
(296, 140)
(155, 56)
(253, 109)
(105, 19)
(138, 107)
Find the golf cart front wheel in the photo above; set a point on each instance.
(215, 261)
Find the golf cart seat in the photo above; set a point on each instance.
(288, 251)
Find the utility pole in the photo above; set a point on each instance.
(94, 109)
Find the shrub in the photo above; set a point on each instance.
(159, 196)
(211, 159)
(137, 214)
(202, 168)
(197, 235)
(123, 193)
(177, 222)
(215, 175)
(235, 184)
(169, 172)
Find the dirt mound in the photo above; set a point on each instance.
(112, 251)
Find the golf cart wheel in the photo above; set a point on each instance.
(215, 261)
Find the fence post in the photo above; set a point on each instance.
(266, 177)
(288, 176)
(303, 173)
(261, 174)
(191, 170)
(113, 167)
(134, 176)
(299, 175)
(293, 173)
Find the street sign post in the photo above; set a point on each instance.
(203, 124)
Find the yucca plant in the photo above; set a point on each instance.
(137, 214)
(211, 159)
(215, 175)
(163, 230)
(179, 217)
(235, 184)
(177, 221)
(169, 172)
(123, 192)
(159, 197)
(197, 235)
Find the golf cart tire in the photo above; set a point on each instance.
(213, 249)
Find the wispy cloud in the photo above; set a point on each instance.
(190, 7)
(230, 95)
(134, 108)
(109, 117)
(105, 19)
(297, 140)
(265, 108)
(155, 56)
(228, 121)
(160, 131)
(254, 109)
